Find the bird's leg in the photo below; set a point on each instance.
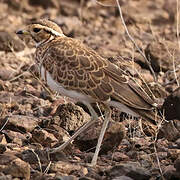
(82, 129)
(100, 139)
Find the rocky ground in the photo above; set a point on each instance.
(34, 119)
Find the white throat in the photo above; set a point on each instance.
(43, 41)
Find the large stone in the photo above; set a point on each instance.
(67, 168)
(24, 123)
(43, 137)
(130, 169)
(171, 106)
(112, 138)
(163, 55)
(11, 165)
(72, 117)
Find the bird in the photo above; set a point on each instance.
(73, 69)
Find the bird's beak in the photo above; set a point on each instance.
(23, 32)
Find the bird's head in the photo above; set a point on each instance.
(41, 30)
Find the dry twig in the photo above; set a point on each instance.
(131, 38)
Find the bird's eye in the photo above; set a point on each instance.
(36, 30)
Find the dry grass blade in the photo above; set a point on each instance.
(116, 2)
(39, 161)
(4, 123)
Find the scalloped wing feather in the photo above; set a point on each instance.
(79, 68)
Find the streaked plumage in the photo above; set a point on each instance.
(77, 71)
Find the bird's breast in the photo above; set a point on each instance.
(57, 87)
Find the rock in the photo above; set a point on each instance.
(170, 173)
(171, 106)
(68, 178)
(33, 156)
(160, 55)
(2, 148)
(68, 8)
(70, 25)
(5, 177)
(174, 154)
(72, 117)
(178, 142)
(2, 85)
(60, 101)
(37, 175)
(61, 134)
(9, 43)
(7, 73)
(122, 178)
(112, 138)
(144, 15)
(170, 131)
(162, 155)
(11, 165)
(118, 156)
(24, 123)
(15, 137)
(5, 96)
(129, 169)
(177, 164)
(43, 137)
(68, 168)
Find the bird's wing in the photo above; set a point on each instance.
(77, 67)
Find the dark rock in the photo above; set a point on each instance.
(170, 131)
(112, 138)
(2, 148)
(171, 106)
(130, 169)
(30, 156)
(170, 173)
(177, 164)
